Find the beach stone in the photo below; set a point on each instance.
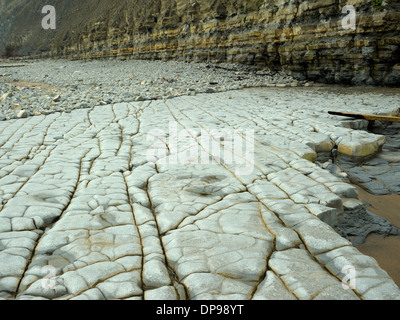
(361, 144)
(272, 288)
(366, 270)
(23, 114)
(205, 286)
(166, 293)
(296, 268)
(155, 274)
(6, 95)
(319, 237)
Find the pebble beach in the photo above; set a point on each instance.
(44, 87)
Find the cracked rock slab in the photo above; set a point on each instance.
(215, 196)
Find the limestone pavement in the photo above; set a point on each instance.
(218, 196)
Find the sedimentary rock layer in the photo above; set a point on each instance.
(306, 38)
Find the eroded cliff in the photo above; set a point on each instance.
(305, 38)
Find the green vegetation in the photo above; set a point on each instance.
(378, 4)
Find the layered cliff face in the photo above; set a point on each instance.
(305, 38)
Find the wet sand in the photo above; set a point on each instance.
(386, 251)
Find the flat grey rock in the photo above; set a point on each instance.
(216, 196)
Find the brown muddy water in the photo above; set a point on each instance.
(385, 250)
